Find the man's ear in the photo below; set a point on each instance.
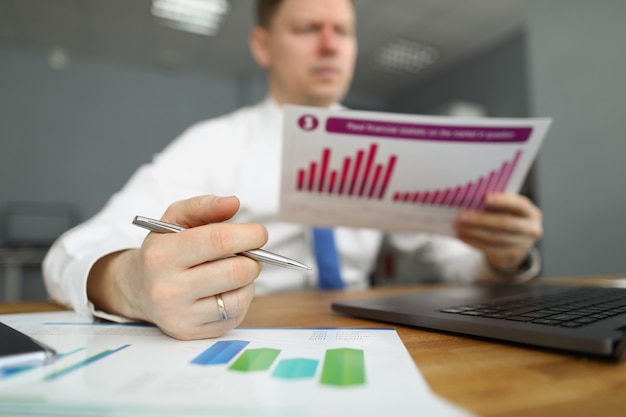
(259, 47)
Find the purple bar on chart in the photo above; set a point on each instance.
(469, 195)
(454, 196)
(442, 197)
(435, 196)
(482, 192)
(490, 182)
(509, 172)
(220, 352)
(477, 197)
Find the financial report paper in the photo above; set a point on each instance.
(399, 172)
(135, 370)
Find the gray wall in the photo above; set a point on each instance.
(76, 135)
(577, 74)
(496, 80)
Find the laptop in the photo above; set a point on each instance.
(583, 320)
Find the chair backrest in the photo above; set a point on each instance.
(35, 224)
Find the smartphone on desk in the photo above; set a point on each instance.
(19, 349)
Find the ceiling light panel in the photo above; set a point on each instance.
(203, 17)
(404, 56)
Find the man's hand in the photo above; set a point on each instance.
(173, 279)
(505, 232)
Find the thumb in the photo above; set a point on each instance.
(201, 210)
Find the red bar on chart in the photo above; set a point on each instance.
(359, 176)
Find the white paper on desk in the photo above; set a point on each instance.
(131, 370)
(398, 172)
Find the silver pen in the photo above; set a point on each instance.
(261, 255)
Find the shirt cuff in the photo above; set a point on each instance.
(528, 270)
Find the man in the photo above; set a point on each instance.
(109, 268)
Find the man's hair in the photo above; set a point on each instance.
(265, 11)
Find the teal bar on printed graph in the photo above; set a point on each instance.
(255, 360)
(297, 368)
(343, 367)
(220, 352)
(81, 364)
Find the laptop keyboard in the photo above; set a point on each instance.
(558, 307)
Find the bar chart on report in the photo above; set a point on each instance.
(360, 176)
(134, 369)
(399, 172)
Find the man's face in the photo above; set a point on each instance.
(310, 50)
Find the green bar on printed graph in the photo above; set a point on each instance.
(297, 368)
(343, 367)
(255, 360)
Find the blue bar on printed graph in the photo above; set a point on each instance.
(220, 352)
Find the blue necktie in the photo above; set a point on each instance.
(327, 259)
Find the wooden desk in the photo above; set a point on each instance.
(487, 378)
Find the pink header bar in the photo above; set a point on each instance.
(427, 132)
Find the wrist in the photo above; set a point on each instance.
(108, 284)
(528, 269)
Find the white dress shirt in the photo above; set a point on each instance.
(237, 154)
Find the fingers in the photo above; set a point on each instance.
(204, 317)
(182, 273)
(506, 217)
(514, 204)
(205, 243)
(236, 304)
(184, 305)
(206, 238)
(201, 210)
(504, 232)
(219, 277)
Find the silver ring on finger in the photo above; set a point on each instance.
(220, 307)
